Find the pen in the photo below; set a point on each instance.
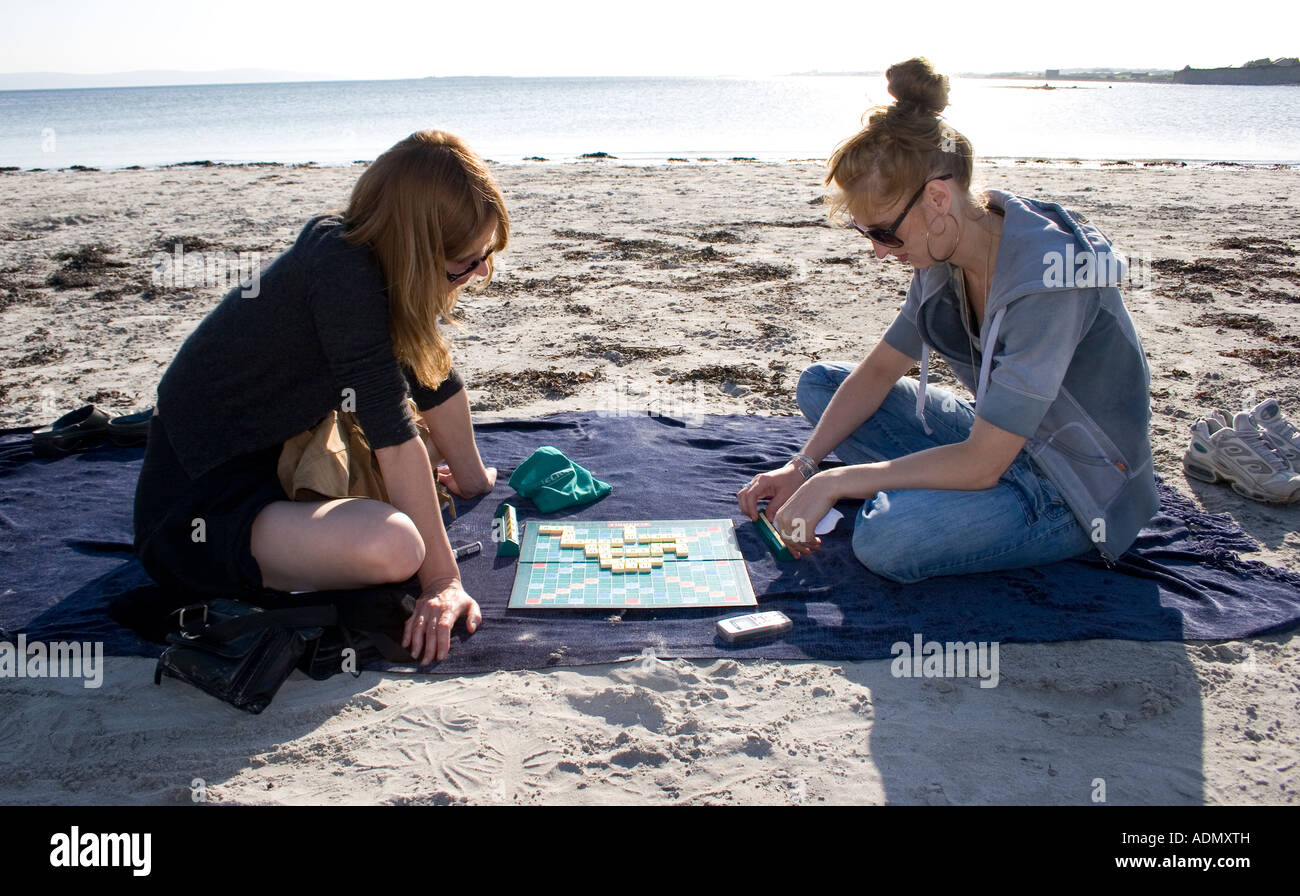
(467, 550)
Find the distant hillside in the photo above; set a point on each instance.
(1259, 72)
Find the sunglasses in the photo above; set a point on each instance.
(456, 278)
(886, 236)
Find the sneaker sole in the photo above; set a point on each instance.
(1206, 473)
(1203, 472)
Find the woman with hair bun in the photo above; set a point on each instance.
(346, 319)
(1020, 298)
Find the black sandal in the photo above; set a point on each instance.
(79, 430)
(130, 429)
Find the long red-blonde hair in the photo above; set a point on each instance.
(424, 201)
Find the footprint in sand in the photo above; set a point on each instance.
(625, 706)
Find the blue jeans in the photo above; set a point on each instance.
(907, 535)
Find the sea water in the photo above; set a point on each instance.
(639, 120)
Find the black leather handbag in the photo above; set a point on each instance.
(240, 653)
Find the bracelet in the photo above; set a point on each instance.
(806, 465)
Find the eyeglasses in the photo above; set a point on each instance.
(886, 235)
(456, 278)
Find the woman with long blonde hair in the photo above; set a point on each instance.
(348, 318)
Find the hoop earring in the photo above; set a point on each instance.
(930, 251)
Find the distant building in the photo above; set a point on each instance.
(1053, 74)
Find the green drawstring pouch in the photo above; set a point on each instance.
(553, 482)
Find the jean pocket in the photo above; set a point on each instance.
(1055, 508)
(1037, 496)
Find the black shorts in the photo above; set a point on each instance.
(194, 536)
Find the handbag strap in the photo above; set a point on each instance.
(292, 617)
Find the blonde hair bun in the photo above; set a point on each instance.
(902, 145)
(917, 87)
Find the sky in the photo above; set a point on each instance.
(378, 39)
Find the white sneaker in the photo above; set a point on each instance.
(1280, 434)
(1241, 456)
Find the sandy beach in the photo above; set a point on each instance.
(702, 287)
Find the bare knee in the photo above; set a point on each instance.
(392, 551)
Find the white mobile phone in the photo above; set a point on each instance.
(754, 626)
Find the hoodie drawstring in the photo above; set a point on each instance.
(920, 393)
(988, 355)
(985, 366)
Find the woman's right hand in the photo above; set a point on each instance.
(775, 487)
(428, 631)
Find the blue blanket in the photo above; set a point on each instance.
(65, 533)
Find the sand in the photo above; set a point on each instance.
(689, 287)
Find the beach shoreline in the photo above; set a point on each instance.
(637, 161)
(707, 288)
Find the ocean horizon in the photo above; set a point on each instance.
(638, 120)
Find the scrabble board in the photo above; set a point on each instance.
(660, 564)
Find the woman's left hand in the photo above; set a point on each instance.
(798, 517)
(428, 632)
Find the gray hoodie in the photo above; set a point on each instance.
(1059, 362)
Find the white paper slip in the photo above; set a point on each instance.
(829, 522)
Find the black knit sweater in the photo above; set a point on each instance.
(260, 369)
